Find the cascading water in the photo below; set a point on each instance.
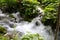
(35, 26)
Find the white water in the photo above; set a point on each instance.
(24, 27)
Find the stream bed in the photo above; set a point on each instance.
(23, 27)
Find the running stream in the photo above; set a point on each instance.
(18, 25)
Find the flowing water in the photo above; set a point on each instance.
(35, 26)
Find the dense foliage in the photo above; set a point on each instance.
(9, 6)
(27, 9)
(50, 8)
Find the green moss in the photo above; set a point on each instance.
(2, 30)
(24, 37)
(11, 16)
(32, 37)
(3, 38)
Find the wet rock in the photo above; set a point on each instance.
(37, 23)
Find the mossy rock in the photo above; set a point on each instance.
(2, 30)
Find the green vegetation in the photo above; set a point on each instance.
(2, 30)
(9, 6)
(3, 38)
(27, 8)
(25, 37)
(32, 37)
(28, 11)
(51, 10)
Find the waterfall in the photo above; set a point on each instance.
(35, 26)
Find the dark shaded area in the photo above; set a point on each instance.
(12, 8)
(51, 23)
(2, 30)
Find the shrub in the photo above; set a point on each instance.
(27, 8)
(50, 10)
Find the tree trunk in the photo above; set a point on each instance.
(58, 24)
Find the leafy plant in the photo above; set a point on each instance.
(50, 8)
(32, 37)
(28, 10)
(24, 37)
